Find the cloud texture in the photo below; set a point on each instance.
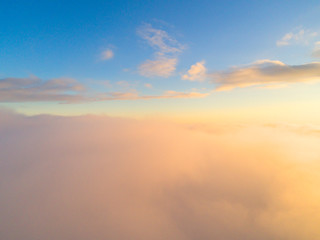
(197, 72)
(107, 54)
(266, 72)
(66, 90)
(165, 56)
(107, 178)
(300, 36)
(34, 89)
(316, 50)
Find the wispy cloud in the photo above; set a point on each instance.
(66, 90)
(175, 94)
(107, 55)
(197, 72)
(159, 40)
(305, 129)
(133, 95)
(166, 49)
(35, 89)
(297, 37)
(316, 50)
(266, 72)
(148, 85)
(161, 67)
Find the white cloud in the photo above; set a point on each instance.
(107, 54)
(197, 72)
(124, 84)
(175, 94)
(285, 39)
(298, 37)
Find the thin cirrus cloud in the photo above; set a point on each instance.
(66, 90)
(133, 95)
(72, 179)
(107, 55)
(298, 37)
(166, 49)
(265, 73)
(197, 72)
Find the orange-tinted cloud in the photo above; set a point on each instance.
(160, 67)
(34, 89)
(107, 55)
(197, 72)
(108, 178)
(316, 50)
(266, 72)
(65, 90)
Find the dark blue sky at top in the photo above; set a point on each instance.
(64, 38)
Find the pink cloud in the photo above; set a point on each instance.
(95, 177)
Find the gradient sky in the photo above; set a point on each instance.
(244, 60)
(155, 120)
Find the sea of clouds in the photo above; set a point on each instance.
(97, 177)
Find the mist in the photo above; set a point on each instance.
(99, 177)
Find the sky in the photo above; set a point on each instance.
(216, 60)
(152, 120)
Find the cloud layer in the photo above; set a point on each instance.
(66, 90)
(266, 72)
(106, 178)
(34, 89)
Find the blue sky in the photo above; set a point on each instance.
(110, 46)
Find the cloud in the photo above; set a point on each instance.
(266, 72)
(306, 129)
(285, 39)
(175, 94)
(133, 95)
(165, 57)
(95, 177)
(316, 50)
(299, 37)
(148, 85)
(34, 89)
(160, 67)
(69, 91)
(107, 54)
(197, 72)
(159, 40)
(124, 84)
